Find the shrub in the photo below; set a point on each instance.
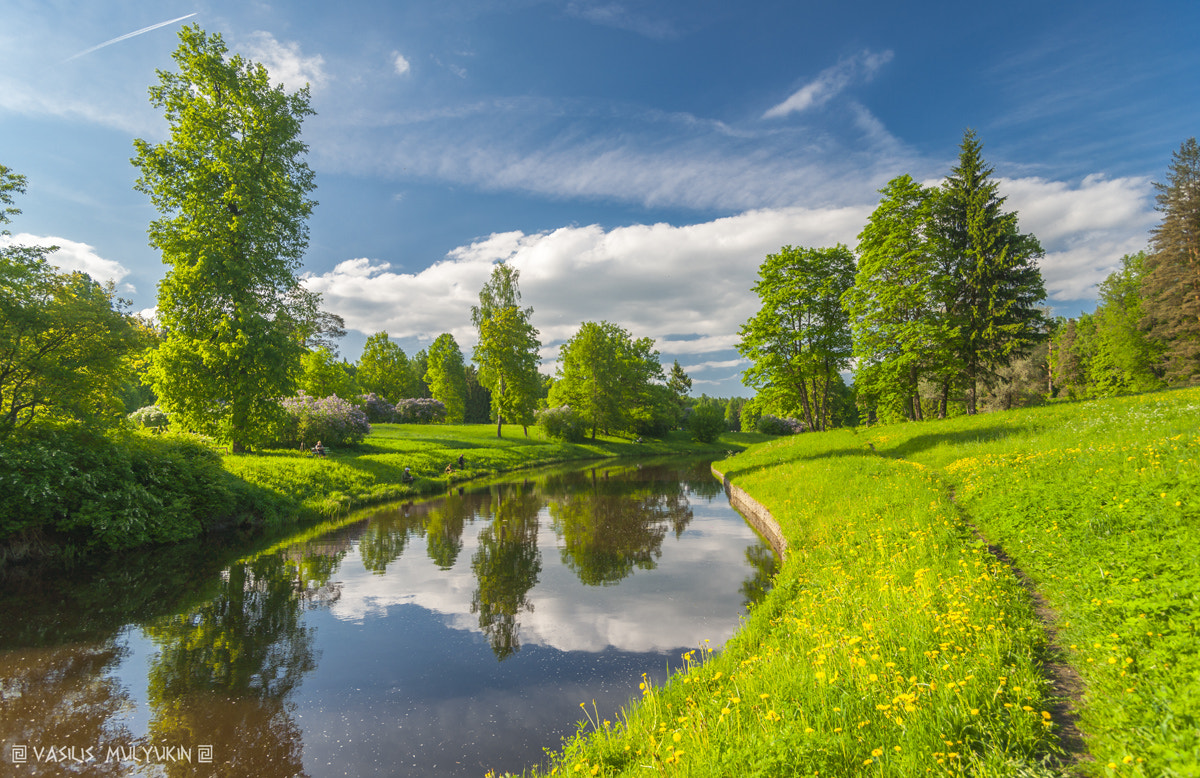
(378, 410)
(151, 417)
(706, 423)
(331, 420)
(562, 423)
(115, 492)
(773, 425)
(420, 410)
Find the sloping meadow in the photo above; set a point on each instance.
(895, 643)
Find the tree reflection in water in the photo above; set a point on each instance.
(506, 566)
(64, 697)
(226, 668)
(615, 526)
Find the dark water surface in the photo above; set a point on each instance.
(445, 637)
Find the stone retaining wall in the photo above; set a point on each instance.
(759, 517)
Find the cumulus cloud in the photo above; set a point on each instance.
(72, 255)
(830, 82)
(285, 63)
(686, 286)
(689, 287)
(400, 63)
(1085, 229)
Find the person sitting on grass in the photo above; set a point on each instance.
(408, 476)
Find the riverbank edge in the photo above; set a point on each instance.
(756, 514)
(292, 505)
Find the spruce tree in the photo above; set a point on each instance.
(1171, 284)
(989, 279)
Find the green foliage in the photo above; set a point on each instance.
(384, 370)
(706, 423)
(507, 350)
(232, 188)
(151, 417)
(562, 423)
(606, 375)
(1172, 269)
(990, 285)
(900, 330)
(331, 421)
(447, 377)
(655, 413)
(63, 340)
(321, 375)
(94, 491)
(800, 338)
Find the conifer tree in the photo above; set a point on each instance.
(1171, 285)
(990, 282)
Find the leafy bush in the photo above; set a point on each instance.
(420, 410)
(378, 410)
(773, 425)
(151, 417)
(706, 423)
(331, 420)
(562, 423)
(95, 491)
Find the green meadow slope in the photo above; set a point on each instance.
(896, 643)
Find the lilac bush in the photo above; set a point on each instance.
(378, 410)
(773, 425)
(420, 410)
(331, 420)
(151, 417)
(562, 423)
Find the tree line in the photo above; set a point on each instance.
(939, 309)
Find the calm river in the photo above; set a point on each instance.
(442, 637)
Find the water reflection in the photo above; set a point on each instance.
(506, 566)
(355, 652)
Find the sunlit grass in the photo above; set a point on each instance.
(895, 644)
(374, 471)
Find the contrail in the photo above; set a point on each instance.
(128, 35)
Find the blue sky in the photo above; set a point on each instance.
(635, 160)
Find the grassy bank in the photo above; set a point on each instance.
(894, 643)
(67, 495)
(374, 471)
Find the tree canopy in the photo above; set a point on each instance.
(63, 337)
(446, 376)
(507, 349)
(606, 376)
(1171, 312)
(233, 190)
(800, 337)
(383, 369)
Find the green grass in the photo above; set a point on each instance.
(895, 644)
(373, 472)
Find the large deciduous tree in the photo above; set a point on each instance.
(63, 339)
(900, 331)
(800, 338)
(606, 376)
(1171, 283)
(447, 377)
(384, 370)
(233, 190)
(507, 349)
(991, 285)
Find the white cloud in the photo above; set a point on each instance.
(285, 63)
(830, 82)
(72, 255)
(689, 287)
(400, 63)
(1084, 229)
(691, 282)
